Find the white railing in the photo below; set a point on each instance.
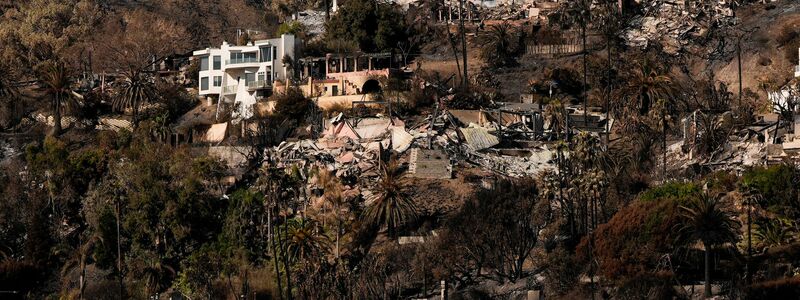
(258, 84)
(243, 60)
(231, 89)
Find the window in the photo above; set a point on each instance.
(248, 78)
(204, 63)
(243, 57)
(261, 76)
(204, 83)
(266, 54)
(275, 52)
(335, 90)
(217, 62)
(217, 81)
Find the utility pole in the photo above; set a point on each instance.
(465, 78)
(738, 50)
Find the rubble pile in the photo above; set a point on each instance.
(313, 20)
(352, 147)
(516, 166)
(677, 25)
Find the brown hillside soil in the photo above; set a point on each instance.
(763, 59)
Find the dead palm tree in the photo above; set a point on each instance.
(136, 89)
(55, 82)
(334, 200)
(556, 113)
(705, 220)
(390, 206)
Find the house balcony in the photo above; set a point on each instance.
(241, 63)
(229, 90)
(258, 84)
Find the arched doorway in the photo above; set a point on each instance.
(371, 86)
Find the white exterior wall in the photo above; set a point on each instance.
(797, 68)
(233, 73)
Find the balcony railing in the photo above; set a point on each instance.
(227, 90)
(243, 60)
(258, 84)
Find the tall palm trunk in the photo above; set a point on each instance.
(277, 268)
(57, 115)
(664, 144)
(287, 266)
(708, 270)
(463, 43)
(585, 78)
(338, 229)
(119, 253)
(608, 94)
(82, 279)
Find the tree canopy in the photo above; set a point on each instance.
(375, 26)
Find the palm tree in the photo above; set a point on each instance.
(79, 260)
(645, 85)
(500, 45)
(662, 120)
(289, 65)
(55, 82)
(774, 232)
(715, 132)
(136, 90)
(577, 13)
(7, 88)
(610, 24)
(304, 241)
(333, 199)
(153, 272)
(389, 206)
(705, 220)
(557, 115)
(9, 94)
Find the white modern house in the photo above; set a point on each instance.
(240, 75)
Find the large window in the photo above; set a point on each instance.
(243, 57)
(217, 81)
(217, 62)
(249, 77)
(266, 54)
(204, 63)
(261, 76)
(204, 84)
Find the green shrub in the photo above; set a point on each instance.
(774, 184)
(294, 28)
(671, 190)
